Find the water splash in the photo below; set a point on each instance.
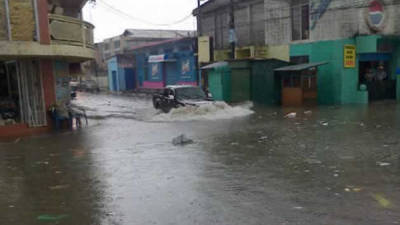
(212, 111)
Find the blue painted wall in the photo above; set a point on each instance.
(124, 79)
(112, 66)
(183, 70)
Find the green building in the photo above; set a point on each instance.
(359, 41)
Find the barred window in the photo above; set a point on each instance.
(300, 22)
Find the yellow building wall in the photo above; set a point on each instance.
(279, 52)
(3, 22)
(22, 20)
(221, 55)
(259, 52)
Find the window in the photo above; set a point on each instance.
(300, 22)
(117, 44)
(106, 46)
(299, 59)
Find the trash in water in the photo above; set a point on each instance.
(383, 164)
(347, 190)
(308, 112)
(182, 140)
(11, 206)
(263, 138)
(323, 123)
(313, 161)
(291, 115)
(52, 217)
(385, 203)
(298, 208)
(336, 175)
(59, 187)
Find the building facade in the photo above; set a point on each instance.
(42, 42)
(170, 62)
(358, 39)
(131, 38)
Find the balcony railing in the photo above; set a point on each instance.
(66, 30)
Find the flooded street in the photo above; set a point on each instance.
(333, 165)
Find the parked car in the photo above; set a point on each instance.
(89, 86)
(180, 96)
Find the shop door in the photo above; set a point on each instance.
(172, 76)
(215, 85)
(31, 93)
(114, 80)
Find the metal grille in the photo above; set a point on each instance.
(31, 94)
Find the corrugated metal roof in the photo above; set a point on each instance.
(139, 33)
(156, 43)
(300, 67)
(215, 65)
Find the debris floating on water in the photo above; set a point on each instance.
(383, 164)
(59, 187)
(291, 115)
(182, 140)
(52, 217)
(384, 202)
(308, 112)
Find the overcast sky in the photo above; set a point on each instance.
(141, 14)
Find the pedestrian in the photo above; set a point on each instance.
(369, 75)
(381, 73)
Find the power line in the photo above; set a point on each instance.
(121, 13)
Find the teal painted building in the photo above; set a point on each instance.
(320, 30)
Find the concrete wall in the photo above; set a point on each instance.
(249, 24)
(277, 22)
(329, 20)
(3, 22)
(22, 20)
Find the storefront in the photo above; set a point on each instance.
(171, 62)
(26, 89)
(21, 94)
(299, 84)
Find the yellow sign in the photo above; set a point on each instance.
(349, 56)
(204, 49)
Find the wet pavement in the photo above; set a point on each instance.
(333, 165)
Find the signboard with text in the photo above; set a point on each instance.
(349, 56)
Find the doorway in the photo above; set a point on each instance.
(10, 113)
(21, 94)
(114, 80)
(375, 75)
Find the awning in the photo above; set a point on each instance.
(300, 67)
(215, 65)
(160, 58)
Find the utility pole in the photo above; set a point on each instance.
(232, 32)
(199, 18)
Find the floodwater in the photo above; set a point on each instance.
(333, 165)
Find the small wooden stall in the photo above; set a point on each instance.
(299, 84)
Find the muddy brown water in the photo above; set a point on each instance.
(337, 165)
